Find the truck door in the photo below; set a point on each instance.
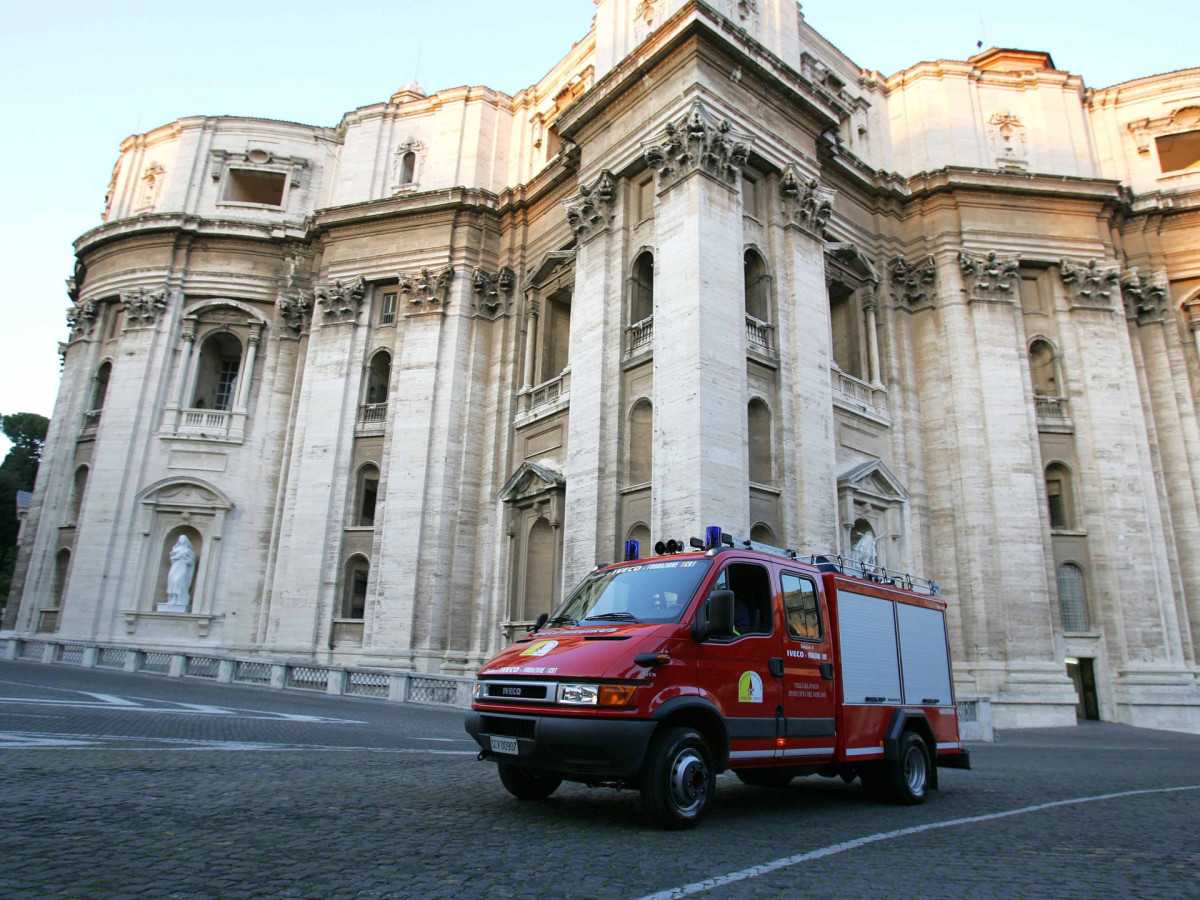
(736, 672)
(809, 697)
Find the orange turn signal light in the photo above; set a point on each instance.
(616, 694)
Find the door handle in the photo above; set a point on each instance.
(776, 666)
(827, 671)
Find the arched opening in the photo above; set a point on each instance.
(77, 490)
(641, 295)
(62, 566)
(762, 533)
(863, 546)
(408, 168)
(1060, 497)
(1043, 368)
(757, 282)
(379, 376)
(539, 571)
(641, 436)
(758, 427)
(100, 387)
(366, 494)
(185, 581)
(1072, 599)
(217, 372)
(354, 589)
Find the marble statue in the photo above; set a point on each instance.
(179, 578)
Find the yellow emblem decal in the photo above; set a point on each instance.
(750, 688)
(541, 648)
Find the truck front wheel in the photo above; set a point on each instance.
(528, 784)
(905, 780)
(678, 778)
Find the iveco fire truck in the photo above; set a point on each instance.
(657, 674)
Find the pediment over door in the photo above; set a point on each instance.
(875, 480)
(531, 480)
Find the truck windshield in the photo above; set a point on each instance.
(650, 592)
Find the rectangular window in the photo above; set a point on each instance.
(750, 197)
(253, 186)
(387, 309)
(646, 199)
(1032, 298)
(366, 515)
(801, 606)
(358, 595)
(225, 384)
(751, 586)
(1179, 151)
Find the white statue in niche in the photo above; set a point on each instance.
(179, 578)
(864, 549)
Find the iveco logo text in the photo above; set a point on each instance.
(511, 692)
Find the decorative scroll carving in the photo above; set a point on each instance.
(1090, 284)
(991, 277)
(81, 319)
(340, 301)
(493, 291)
(1145, 295)
(805, 202)
(1007, 137)
(912, 283)
(143, 307)
(427, 289)
(406, 173)
(592, 210)
(697, 142)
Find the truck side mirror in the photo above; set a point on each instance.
(715, 618)
(542, 619)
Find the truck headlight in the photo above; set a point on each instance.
(608, 695)
(477, 691)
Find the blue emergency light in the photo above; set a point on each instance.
(631, 550)
(712, 536)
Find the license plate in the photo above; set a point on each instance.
(504, 745)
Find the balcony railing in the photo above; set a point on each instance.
(546, 394)
(856, 392)
(371, 417)
(758, 333)
(639, 337)
(1052, 407)
(91, 421)
(204, 422)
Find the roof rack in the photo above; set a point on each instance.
(831, 562)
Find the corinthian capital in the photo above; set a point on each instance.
(427, 289)
(1090, 284)
(991, 276)
(697, 142)
(805, 202)
(1145, 295)
(143, 306)
(340, 301)
(912, 282)
(592, 210)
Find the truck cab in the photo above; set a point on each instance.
(657, 674)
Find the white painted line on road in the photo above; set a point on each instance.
(174, 710)
(833, 849)
(110, 698)
(34, 740)
(12, 741)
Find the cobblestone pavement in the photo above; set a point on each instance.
(119, 785)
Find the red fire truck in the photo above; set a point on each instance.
(657, 674)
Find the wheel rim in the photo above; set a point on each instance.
(689, 781)
(914, 770)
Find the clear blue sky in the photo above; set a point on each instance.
(81, 77)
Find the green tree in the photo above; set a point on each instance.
(27, 431)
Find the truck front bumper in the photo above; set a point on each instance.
(579, 749)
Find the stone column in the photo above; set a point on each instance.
(187, 357)
(870, 308)
(243, 394)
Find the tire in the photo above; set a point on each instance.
(528, 784)
(678, 779)
(767, 778)
(903, 781)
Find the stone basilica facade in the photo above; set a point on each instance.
(402, 381)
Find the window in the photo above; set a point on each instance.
(100, 388)
(751, 588)
(645, 196)
(1058, 496)
(750, 196)
(757, 283)
(387, 308)
(254, 186)
(641, 425)
(539, 571)
(1043, 369)
(762, 459)
(846, 333)
(556, 335)
(366, 495)
(408, 168)
(379, 374)
(801, 607)
(217, 372)
(77, 491)
(1179, 151)
(354, 597)
(1071, 598)
(62, 565)
(1033, 294)
(641, 294)
(761, 533)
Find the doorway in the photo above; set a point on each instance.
(1083, 673)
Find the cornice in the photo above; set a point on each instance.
(408, 204)
(198, 225)
(959, 178)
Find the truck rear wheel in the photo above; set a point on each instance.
(528, 784)
(904, 780)
(678, 778)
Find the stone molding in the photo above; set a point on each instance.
(412, 145)
(912, 283)
(991, 277)
(698, 143)
(340, 301)
(426, 289)
(1090, 284)
(143, 307)
(261, 160)
(591, 212)
(1145, 296)
(296, 311)
(493, 291)
(806, 204)
(81, 319)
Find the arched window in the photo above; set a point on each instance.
(379, 375)
(408, 168)
(100, 387)
(366, 494)
(758, 427)
(1043, 367)
(217, 372)
(77, 491)
(539, 571)
(757, 283)
(1071, 598)
(354, 590)
(761, 533)
(641, 436)
(641, 295)
(1059, 496)
(62, 565)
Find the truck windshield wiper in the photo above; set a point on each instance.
(564, 619)
(623, 616)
